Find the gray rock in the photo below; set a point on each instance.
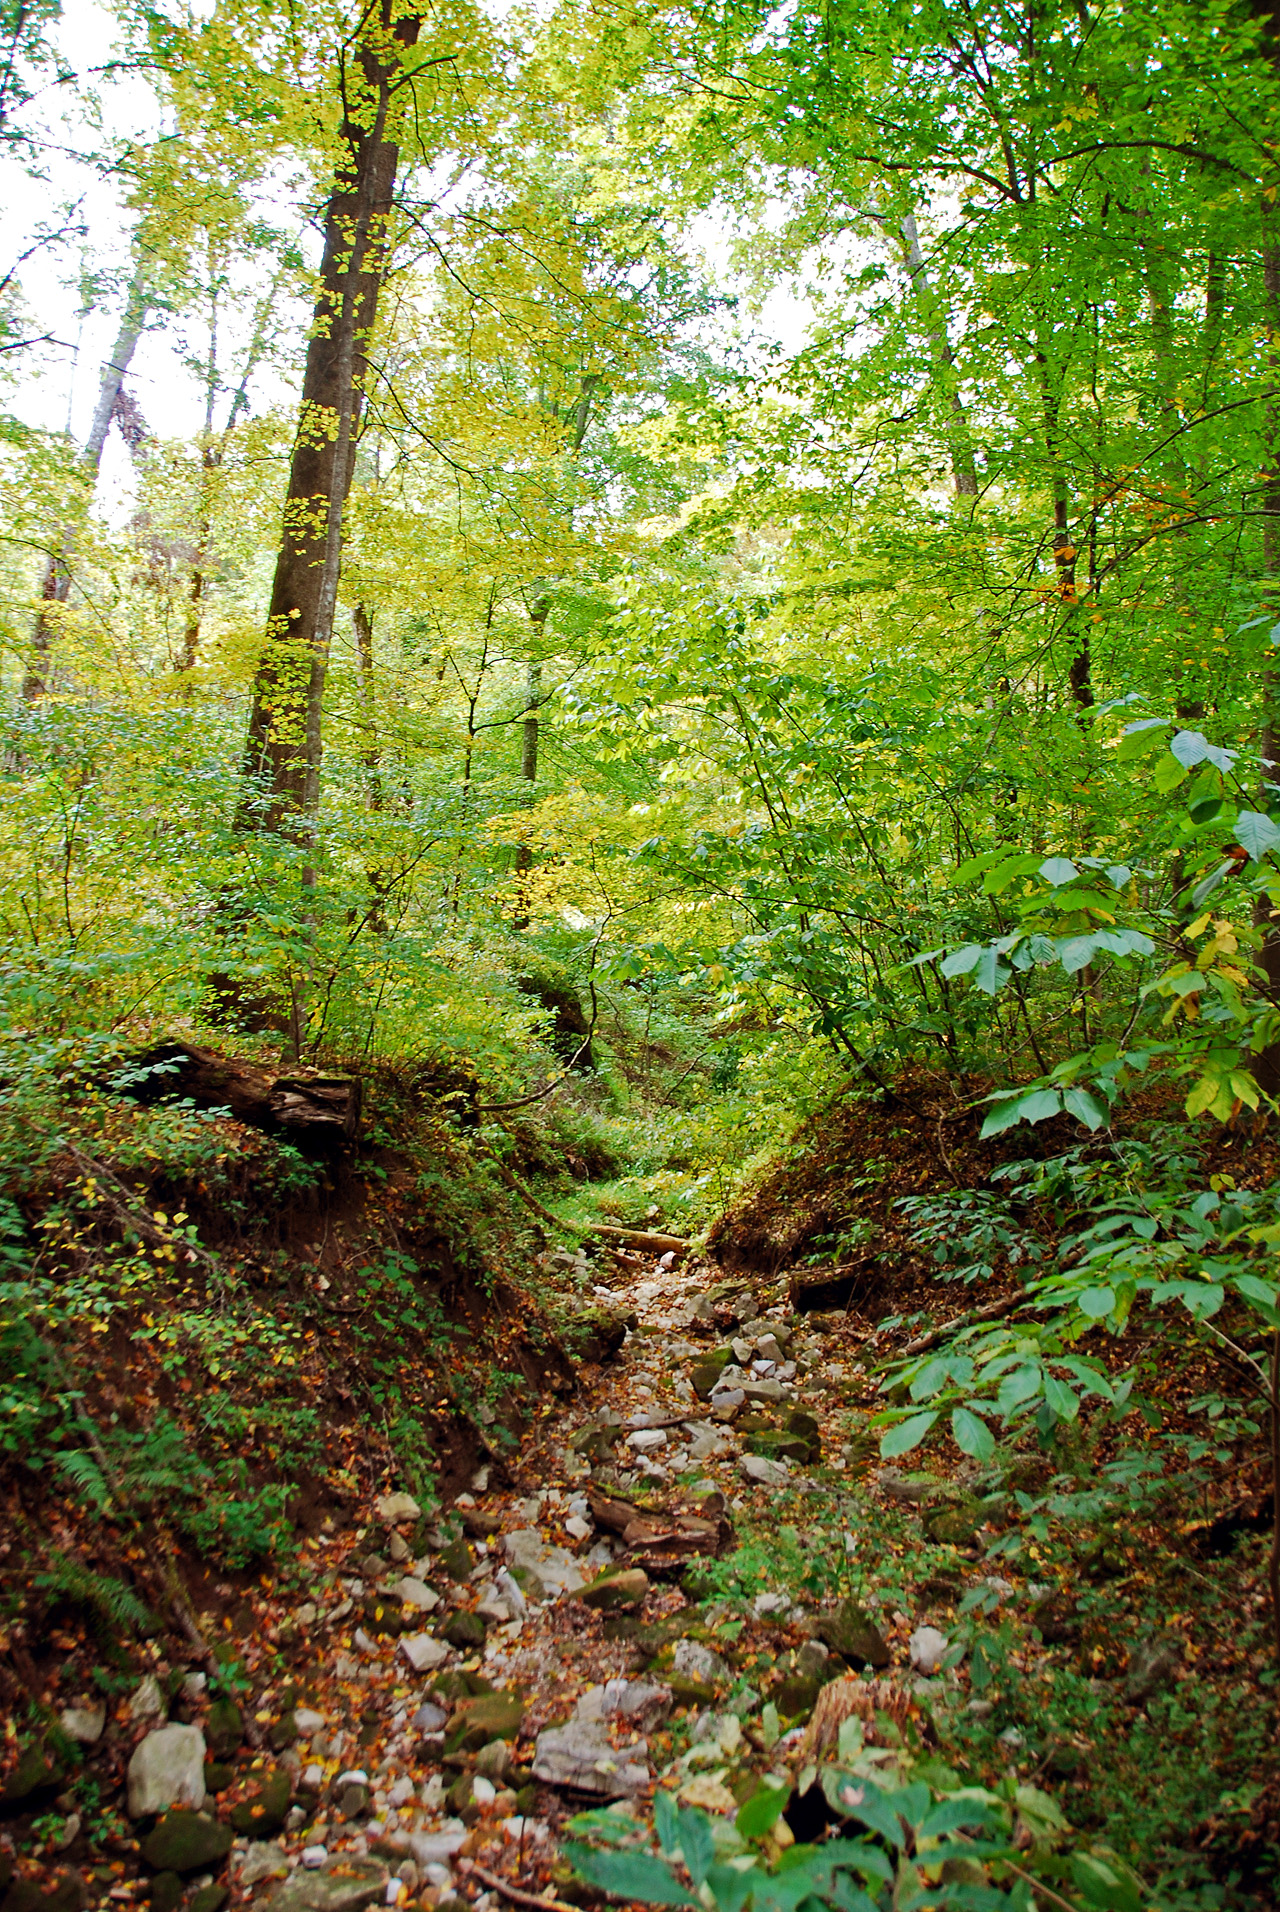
(1153, 1665)
(437, 1848)
(899, 1486)
(429, 1719)
(346, 1883)
(147, 1701)
(763, 1472)
(415, 1593)
(693, 1661)
(167, 1769)
(263, 1859)
(308, 1722)
(578, 1756)
(645, 1439)
(643, 1701)
(764, 1390)
(548, 1570)
(927, 1647)
(422, 1651)
(84, 1724)
(393, 1508)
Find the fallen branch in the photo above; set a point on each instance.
(515, 1892)
(993, 1311)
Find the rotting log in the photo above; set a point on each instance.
(297, 1104)
(640, 1238)
(663, 1540)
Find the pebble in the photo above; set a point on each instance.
(422, 1651)
(314, 1857)
(646, 1438)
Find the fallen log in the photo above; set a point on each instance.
(640, 1238)
(292, 1104)
(662, 1540)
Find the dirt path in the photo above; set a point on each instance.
(460, 1685)
(441, 1746)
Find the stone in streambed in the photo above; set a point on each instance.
(626, 1588)
(165, 1892)
(184, 1841)
(580, 1758)
(345, 1883)
(492, 1716)
(464, 1630)
(224, 1728)
(209, 1898)
(167, 1769)
(264, 1814)
(852, 1633)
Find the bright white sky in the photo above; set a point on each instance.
(59, 383)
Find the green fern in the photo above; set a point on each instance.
(72, 1580)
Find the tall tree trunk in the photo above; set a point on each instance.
(282, 753)
(56, 584)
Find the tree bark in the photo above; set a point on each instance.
(56, 584)
(283, 750)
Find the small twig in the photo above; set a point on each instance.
(515, 1893)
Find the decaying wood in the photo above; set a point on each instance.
(293, 1104)
(993, 1311)
(664, 1539)
(641, 1238)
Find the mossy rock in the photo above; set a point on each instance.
(218, 1776)
(385, 1615)
(38, 1771)
(853, 1634)
(463, 1630)
(457, 1560)
(224, 1728)
(283, 1733)
(798, 1695)
(707, 1369)
(259, 1817)
(775, 1446)
(687, 1692)
(955, 1526)
(210, 1898)
(476, 1721)
(185, 1841)
(166, 1891)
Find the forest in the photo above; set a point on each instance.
(640, 996)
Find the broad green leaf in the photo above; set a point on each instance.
(990, 972)
(729, 1887)
(1064, 1401)
(907, 1434)
(697, 1848)
(1096, 1302)
(1191, 747)
(762, 1810)
(1256, 833)
(1085, 1107)
(1058, 870)
(1076, 951)
(972, 1436)
(933, 1375)
(631, 1875)
(1169, 773)
(961, 961)
(1205, 889)
(1203, 1095)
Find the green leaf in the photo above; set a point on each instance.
(1169, 773)
(1058, 870)
(961, 961)
(1256, 833)
(1096, 1302)
(1064, 1401)
(1076, 951)
(931, 1377)
(1191, 747)
(990, 972)
(907, 1434)
(697, 1848)
(631, 1875)
(1206, 887)
(730, 1888)
(972, 1436)
(762, 1810)
(1085, 1107)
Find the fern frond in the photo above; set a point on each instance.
(109, 1597)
